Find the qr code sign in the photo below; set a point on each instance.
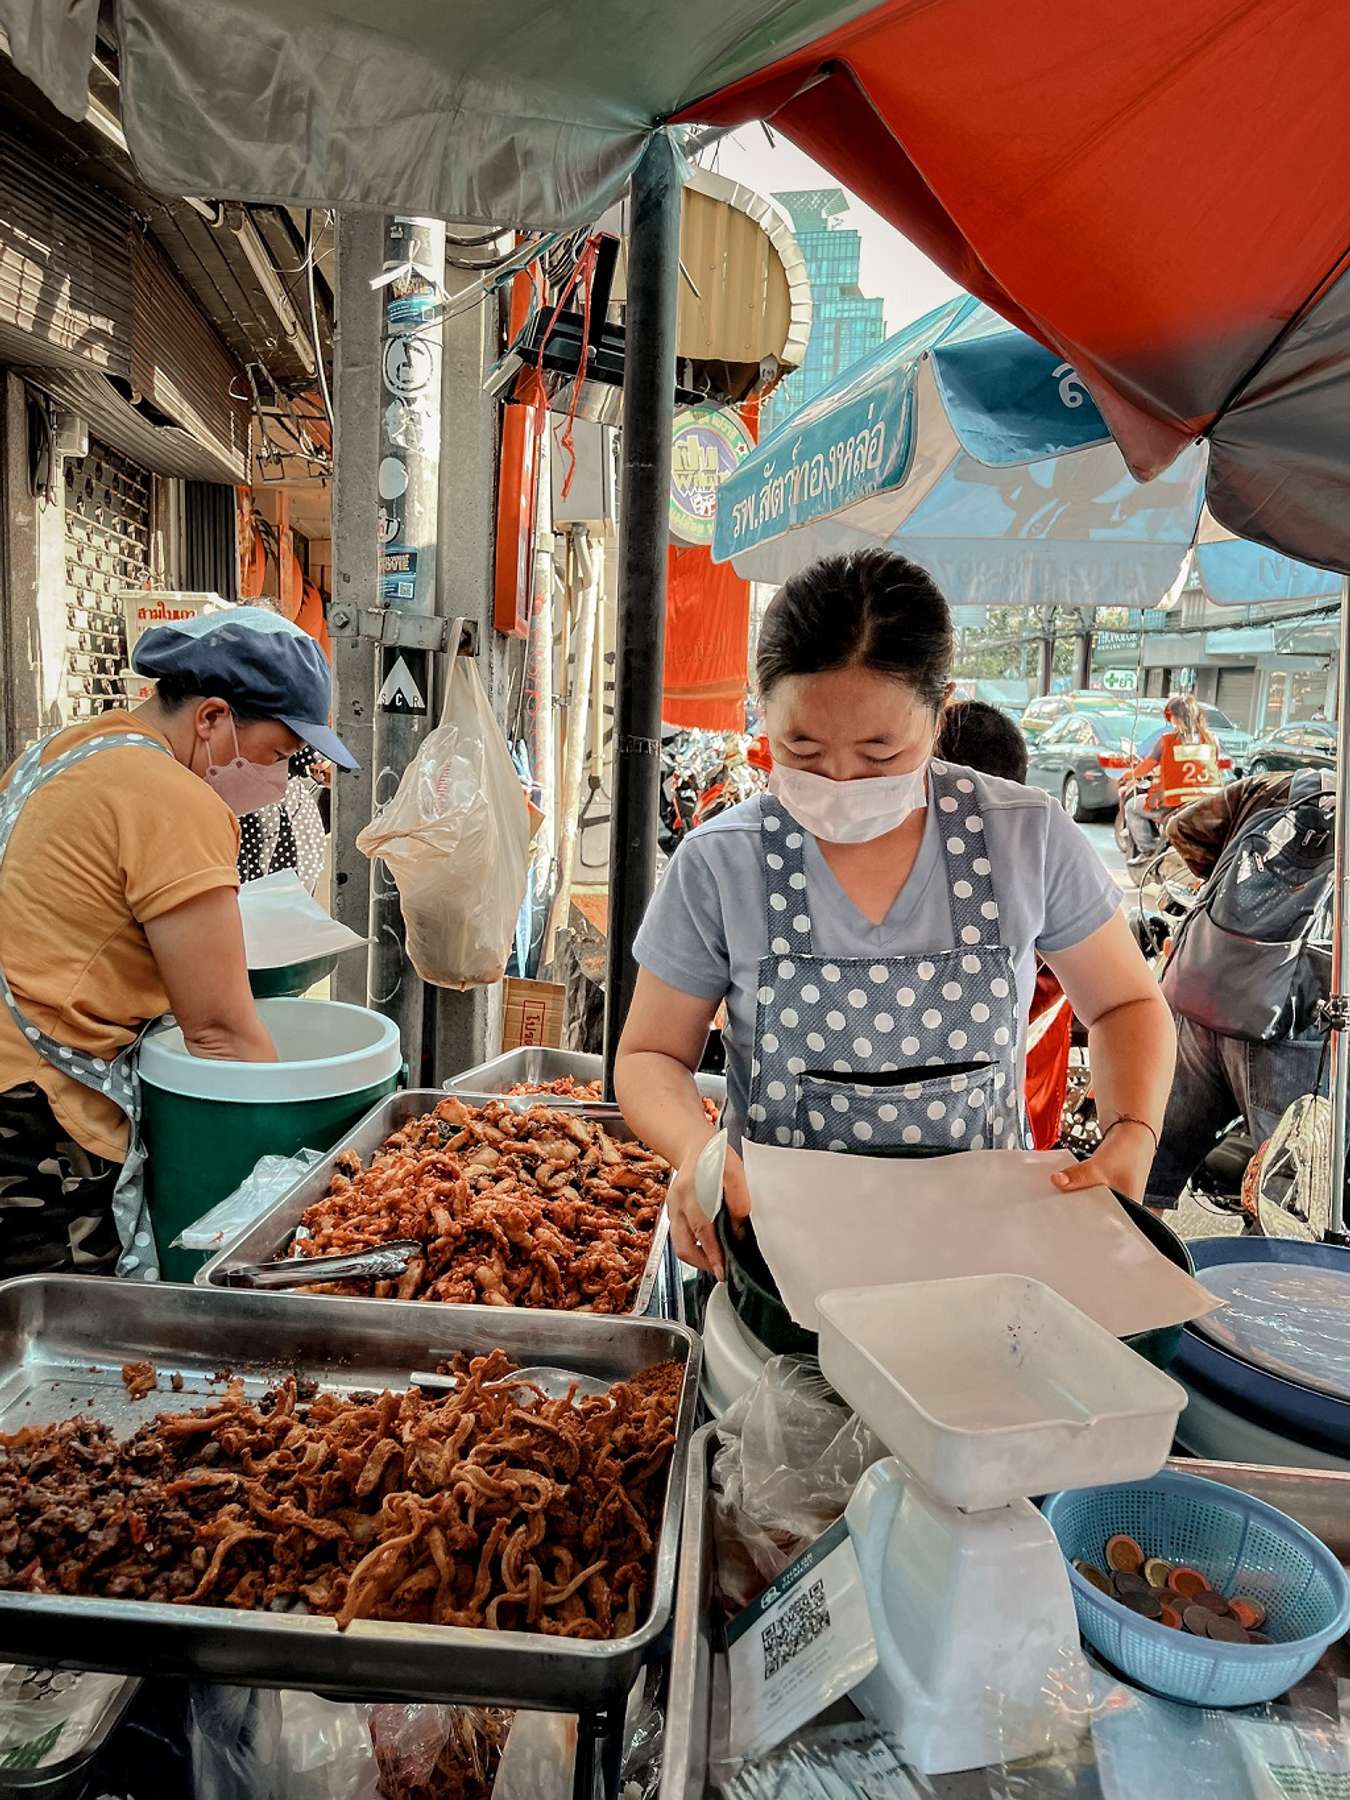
(803, 1622)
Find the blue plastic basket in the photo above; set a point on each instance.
(1242, 1546)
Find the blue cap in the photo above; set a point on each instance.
(256, 660)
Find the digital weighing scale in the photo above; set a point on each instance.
(986, 1389)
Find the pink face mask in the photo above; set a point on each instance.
(247, 787)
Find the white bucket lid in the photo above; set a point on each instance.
(326, 1049)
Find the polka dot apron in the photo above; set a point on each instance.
(116, 1078)
(858, 1054)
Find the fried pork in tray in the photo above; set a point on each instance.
(491, 1506)
(539, 1208)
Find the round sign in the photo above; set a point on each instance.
(709, 444)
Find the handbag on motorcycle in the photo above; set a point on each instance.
(1253, 960)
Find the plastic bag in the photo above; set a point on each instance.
(436, 1752)
(829, 1762)
(49, 1715)
(455, 838)
(790, 1455)
(1124, 1744)
(230, 1217)
(252, 1744)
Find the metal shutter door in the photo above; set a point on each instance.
(107, 549)
(1236, 695)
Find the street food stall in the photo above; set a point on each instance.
(471, 1473)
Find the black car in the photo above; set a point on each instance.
(1081, 758)
(1311, 745)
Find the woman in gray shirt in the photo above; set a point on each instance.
(872, 923)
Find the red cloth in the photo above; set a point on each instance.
(1155, 192)
(1048, 1038)
(707, 642)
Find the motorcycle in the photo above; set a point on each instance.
(1168, 891)
(1149, 824)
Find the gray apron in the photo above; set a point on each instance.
(874, 1054)
(116, 1078)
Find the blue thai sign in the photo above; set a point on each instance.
(856, 451)
(1007, 401)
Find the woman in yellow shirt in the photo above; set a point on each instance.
(118, 847)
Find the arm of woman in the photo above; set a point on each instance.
(663, 1038)
(199, 949)
(1132, 1048)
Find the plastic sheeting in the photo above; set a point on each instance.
(496, 112)
(707, 631)
(963, 444)
(1161, 195)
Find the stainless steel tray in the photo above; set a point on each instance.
(536, 1062)
(269, 1237)
(63, 1341)
(1318, 1499)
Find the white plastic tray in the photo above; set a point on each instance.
(991, 1388)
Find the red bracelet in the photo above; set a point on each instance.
(1131, 1119)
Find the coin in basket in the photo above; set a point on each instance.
(1171, 1618)
(1259, 1637)
(1196, 1620)
(1156, 1571)
(1124, 1555)
(1187, 1582)
(1227, 1631)
(1091, 1573)
(1213, 1602)
(1144, 1604)
(1248, 1612)
(1126, 1584)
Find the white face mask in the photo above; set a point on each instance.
(849, 812)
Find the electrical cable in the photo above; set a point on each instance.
(314, 325)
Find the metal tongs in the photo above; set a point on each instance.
(551, 1381)
(382, 1263)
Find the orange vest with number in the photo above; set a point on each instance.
(1186, 772)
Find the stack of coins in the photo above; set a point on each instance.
(1173, 1594)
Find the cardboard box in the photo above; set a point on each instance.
(532, 1013)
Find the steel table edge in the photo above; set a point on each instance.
(684, 1770)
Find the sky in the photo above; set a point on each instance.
(891, 266)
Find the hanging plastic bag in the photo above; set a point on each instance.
(455, 838)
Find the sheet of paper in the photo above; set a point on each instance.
(284, 923)
(828, 1220)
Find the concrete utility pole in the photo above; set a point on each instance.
(408, 489)
(466, 1026)
(356, 568)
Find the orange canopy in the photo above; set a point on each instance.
(1160, 193)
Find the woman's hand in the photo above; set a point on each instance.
(1121, 1161)
(692, 1232)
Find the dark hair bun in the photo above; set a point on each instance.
(870, 609)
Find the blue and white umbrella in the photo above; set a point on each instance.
(969, 447)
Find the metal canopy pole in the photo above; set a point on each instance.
(644, 511)
(409, 487)
(1340, 938)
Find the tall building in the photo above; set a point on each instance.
(845, 323)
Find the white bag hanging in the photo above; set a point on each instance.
(455, 838)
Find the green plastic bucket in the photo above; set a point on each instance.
(206, 1123)
(290, 980)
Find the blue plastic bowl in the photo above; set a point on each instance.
(1277, 1404)
(1242, 1546)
